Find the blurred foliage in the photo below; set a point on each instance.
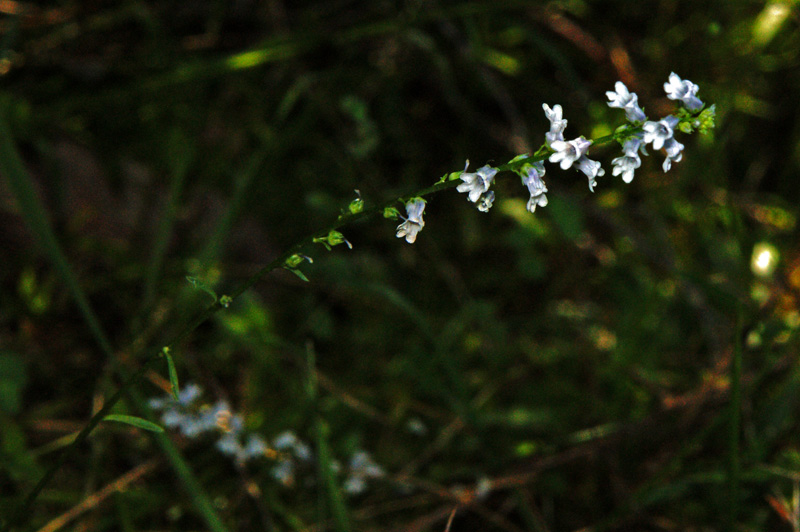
(579, 358)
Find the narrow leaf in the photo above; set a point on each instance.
(135, 422)
(200, 285)
(173, 375)
(299, 274)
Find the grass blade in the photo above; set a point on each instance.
(135, 422)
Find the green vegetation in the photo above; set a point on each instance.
(619, 360)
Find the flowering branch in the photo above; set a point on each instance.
(633, 136)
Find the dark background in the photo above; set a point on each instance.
(579, 359)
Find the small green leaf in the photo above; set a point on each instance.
(135, 422)
(200, 285)
(299, 274)
(173, 375)
(520, 157)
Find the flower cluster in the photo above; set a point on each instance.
(658, 134)
(634, 137)
(361, 468)
(193, 419)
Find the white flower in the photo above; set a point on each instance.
(414, 223)
(361, 463)
(186, 397)
(361, 468)
(674, 151)
(255, 447)
(628, 101)
(629, 162)
(284, 441)
(229, 444)
(189, 394)
(625, 165)
(173, 418)
(475, 184)
(684, 91)
(302, 451)
(355, 485)
(557, 123)
(591, 168)
(536, 186)
(283, 471)
(659, 132)
(567, 152)
(486, 201)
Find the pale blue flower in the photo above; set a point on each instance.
(283, 471)
(557, 123)
(189, 394)
(659, 132)
(414, 223)
(172, 418)
(684, 91)
(255, 447)
(362, 467)
(621, 98)
(355, 485)
(186, 397)
(629, 162)
(284, 441)
(302, 451)
(568, 152)
(229, 444)
(536, 186)
(476, 184)
(591, 168)
(486, 201)
(674, 151)
(362, 463)
(626, 165)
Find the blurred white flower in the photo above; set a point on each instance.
(684, 91)
(361, 468)
(536, 186)
(414, 223)
(591, 168)
(674, 151)
(629, 162)
(628, 101)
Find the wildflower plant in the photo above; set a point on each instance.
(183, 411)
